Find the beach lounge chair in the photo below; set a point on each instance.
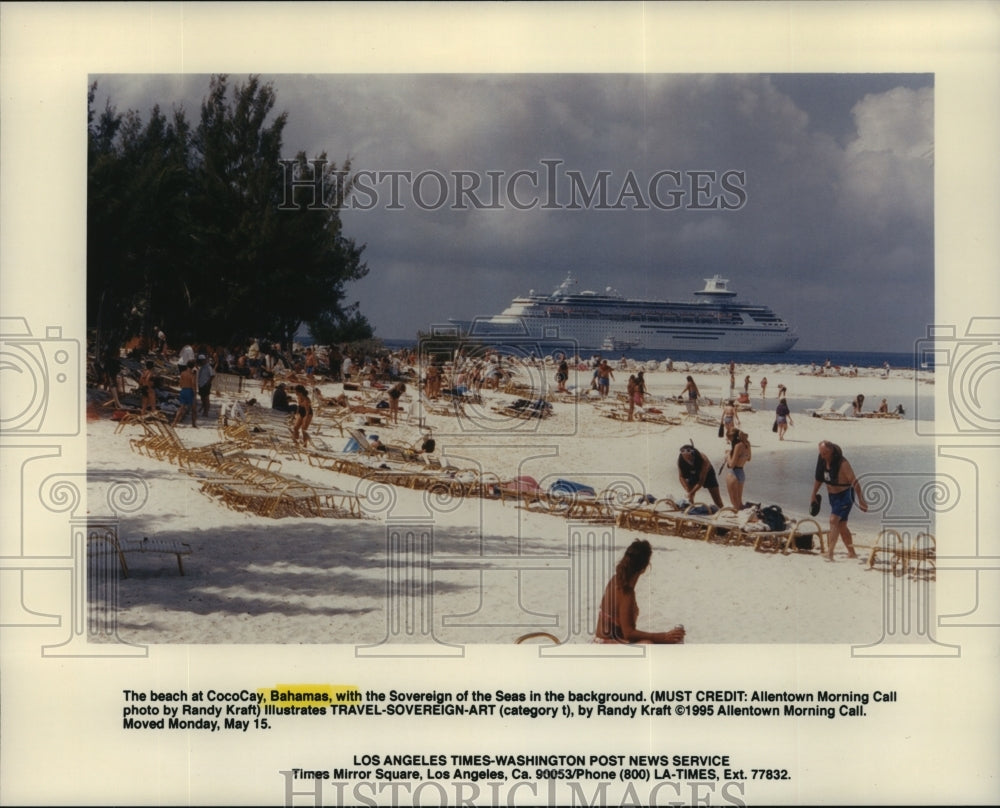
(569, 497)
(654, 415)
(650, 517)
(918, 552)
(537, 635)
(825, 408)
(522, 489)
(736, 528)
(108, 541)
(526, 408)
(841, 413)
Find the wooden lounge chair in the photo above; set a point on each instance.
(650, 517)
(523, 489)
(918, 552)
(654, 415)
(120, 547)
(526, 408)
(731, 528)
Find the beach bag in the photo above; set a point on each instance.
(774, 426)
(773, 517)
(804, 542)
(722, 429)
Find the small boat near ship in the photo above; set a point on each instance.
(715, 321)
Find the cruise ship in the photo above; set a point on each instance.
(606, 321)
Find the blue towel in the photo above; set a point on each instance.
(571, 487)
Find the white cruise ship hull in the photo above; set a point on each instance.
(597, 335)
(606, 321)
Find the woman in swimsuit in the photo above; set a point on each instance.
(783, 418)
(616, 622)
(737, 457)
(147, 390)
(833, 470)
(730, 420)
(395, 392)
(303, 415)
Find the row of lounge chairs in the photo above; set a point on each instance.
(243, 471)
(845, 411)
(661, 516)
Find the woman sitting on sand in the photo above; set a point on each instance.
(616, 622)
(695, 471)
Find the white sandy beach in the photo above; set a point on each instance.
(496, 570)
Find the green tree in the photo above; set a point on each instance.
(265, 266)
(187, 228)
(138, 185)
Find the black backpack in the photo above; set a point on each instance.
(773, 517)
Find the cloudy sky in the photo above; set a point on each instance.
(812, 193)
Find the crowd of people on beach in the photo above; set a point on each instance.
(198, 364)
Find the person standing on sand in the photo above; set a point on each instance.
(730, 418)
(619, 611)
(782, 418)
(736, 458)
(834, 471)
(763, 387)
(303, 416)
(147, 389)
(691, 389)
(604, 376)
(188, 382)
(695, 471)
(562, 374)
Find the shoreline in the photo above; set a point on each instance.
(299, 580)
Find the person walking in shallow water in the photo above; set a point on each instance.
(835, 472)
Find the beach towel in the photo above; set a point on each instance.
(571, 487)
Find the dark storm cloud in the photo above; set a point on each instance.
(833, 228)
